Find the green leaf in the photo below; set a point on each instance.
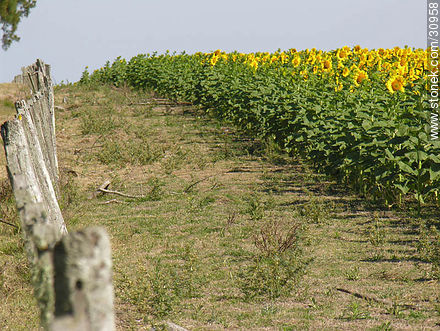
(406, 168)
(403, 188)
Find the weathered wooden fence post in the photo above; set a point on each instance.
(83, 282)
(71, 273)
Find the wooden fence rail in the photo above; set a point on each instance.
(71, 273)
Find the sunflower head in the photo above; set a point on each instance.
(213, 60)
(296, 61)
(359, 77)
(254, 64)
(341, 54)
(395, 83)
(345, 72)
(327, 65)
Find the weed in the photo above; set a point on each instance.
(428, 248)
(395, 310)
(268, 310)
(199, 203)
(156, 192)
(174, 160)
(163, 297)
(232, 218)
(416, 315)
(314, 303)
(274, 240)
(8, 104)
(11, 248)
(354, 312)
(141, 152)
(353, 273)
(131, 152)
(93, 122)
(8, 212)
(277, 266)
(255, 207)
(385, 326)
(111, 152)
(145, 111)
(274, 153)
(164, 286)
(314, 211)
(377, 233)
(69, 190)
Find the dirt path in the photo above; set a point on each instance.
(185, 251)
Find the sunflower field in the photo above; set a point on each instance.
(357, 114)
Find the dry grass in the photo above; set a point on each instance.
(215, 203)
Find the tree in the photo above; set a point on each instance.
(11, 12)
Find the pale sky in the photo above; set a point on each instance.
(70, 35)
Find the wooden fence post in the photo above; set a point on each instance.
(71, 273)
(83, 282)
(24, 157)
(40, 238)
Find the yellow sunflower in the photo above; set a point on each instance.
(213, 60)
(341, 54)
(359, 77)
(296, 61)
(327, 65)
(395, 83)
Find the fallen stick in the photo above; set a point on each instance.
(112, 201)
(4, 222)
(103, 190)
(189, 187)
(98, 190)
(77, 151)
(368, 298)
(362, 296)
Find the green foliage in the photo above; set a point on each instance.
(11, 12)
(255, 207)
(8, 104)
(69, 191)
(8, 213)
(385, 326)
(279, 264)
(428, 248)
(93, 122)
(353, 273)
(137, 151)
(159, 291)
(371, 139)
(355, 312)
(377, 237)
